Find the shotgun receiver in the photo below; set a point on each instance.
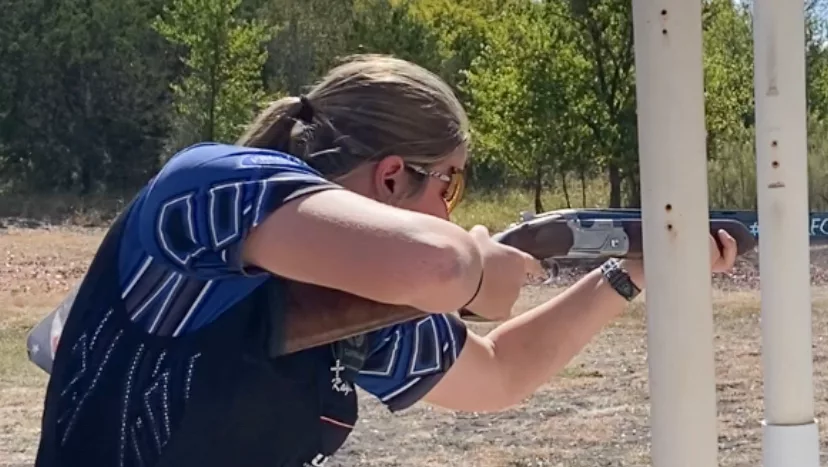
(319, 316)
(315, 315)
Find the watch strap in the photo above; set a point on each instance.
(619, 279)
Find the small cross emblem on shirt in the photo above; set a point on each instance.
(339, 384)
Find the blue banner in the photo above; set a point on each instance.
(817, 221)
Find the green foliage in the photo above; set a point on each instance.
(391, 27)
(308, 37)
(523, 90)
(224, 55)
(728, 65)
(604, 38)
(83, 105)
(95, 93)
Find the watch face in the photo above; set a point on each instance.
(619, 280)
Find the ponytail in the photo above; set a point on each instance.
(291, 125)
(273, 127)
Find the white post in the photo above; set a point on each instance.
(675, 216)
(790, 436)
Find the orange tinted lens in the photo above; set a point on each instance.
(454, 192)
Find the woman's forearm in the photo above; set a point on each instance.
(531, 348)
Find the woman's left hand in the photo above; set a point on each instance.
(722, 260)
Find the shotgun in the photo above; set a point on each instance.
(319, 316)
(316, 315)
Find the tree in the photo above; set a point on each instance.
(392, 27)
(728, 70)
(84, 107)
(605, 39)
(308, 37)
(524, 96)
(224, 56)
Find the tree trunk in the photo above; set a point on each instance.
(615, 185)
(634, 191)
(91, 156)
(565, 190)
(538, 189)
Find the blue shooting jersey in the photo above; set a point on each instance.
(180, 265)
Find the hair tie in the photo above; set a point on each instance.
(306, 111)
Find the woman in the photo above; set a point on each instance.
(164, 360)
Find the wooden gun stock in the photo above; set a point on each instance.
(318, 316)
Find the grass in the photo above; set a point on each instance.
(495, 209)
(60, 209)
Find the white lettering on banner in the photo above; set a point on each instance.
(817, 227)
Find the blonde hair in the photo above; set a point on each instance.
(368, 107)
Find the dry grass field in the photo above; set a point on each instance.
(594, 414)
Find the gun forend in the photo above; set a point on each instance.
(745, 241)
(568, 234)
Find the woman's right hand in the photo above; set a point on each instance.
(505, 271)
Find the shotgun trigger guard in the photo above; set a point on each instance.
(601, 238)
(551, 268)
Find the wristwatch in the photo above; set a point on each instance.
(619, 279)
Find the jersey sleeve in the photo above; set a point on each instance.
(206, 199)
(407, 360)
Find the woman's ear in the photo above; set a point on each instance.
(390, 182)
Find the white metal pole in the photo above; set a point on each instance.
(790, 436)
(671, 130)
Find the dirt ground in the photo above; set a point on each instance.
(594, 414)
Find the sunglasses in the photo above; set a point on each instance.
(456, 183)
